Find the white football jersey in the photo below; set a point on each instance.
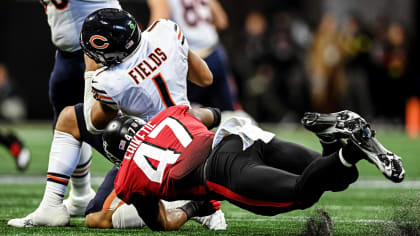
(153, 78)
(66, 17)
(195, 19)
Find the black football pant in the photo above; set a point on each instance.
(66, 85)
(272, 178)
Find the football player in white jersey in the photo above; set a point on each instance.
(65, 18)
(137, 73)
(200, 20)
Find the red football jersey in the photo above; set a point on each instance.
(165, 150)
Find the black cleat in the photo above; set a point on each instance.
(387, 162)
(332, 126)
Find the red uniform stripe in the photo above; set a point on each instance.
(105, 98)
(58, 179)
(109, 200)
(81, 171)
(236, 197)
(179, 34)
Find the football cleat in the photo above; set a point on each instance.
(332, 126)
(76, 205)
(43, 216)
(386, 161)
(216, 221)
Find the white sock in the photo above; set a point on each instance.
(64, 156)
(126, 217)
(80, 179)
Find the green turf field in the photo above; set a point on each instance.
(372, 207)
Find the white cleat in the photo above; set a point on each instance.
(76, 205)
(23, 159)
(43, 216)
(216, 221)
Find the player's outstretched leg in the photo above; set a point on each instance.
(64, 157)
(347, 124)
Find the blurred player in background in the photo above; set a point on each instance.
(17, 149)
(65, 19)
(174, 156)
(12, 109)
(200, 20)
(137, 73)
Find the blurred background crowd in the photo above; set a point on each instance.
(286, 57)
(286, 65)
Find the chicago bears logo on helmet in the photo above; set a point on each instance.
(109, 35)
(100, 40)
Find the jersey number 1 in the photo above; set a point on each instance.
(164, 156)
(163, 90)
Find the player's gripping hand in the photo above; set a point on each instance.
(200, 208)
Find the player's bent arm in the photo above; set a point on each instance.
(159, 9)
(155, 215)
(89, 100)
(101, 115)
(210, 116)
(220, 18)
(100, 219)
(198, 71)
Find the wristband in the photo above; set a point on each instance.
(217, 116)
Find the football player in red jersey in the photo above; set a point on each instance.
(171, 158)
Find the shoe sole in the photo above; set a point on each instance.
(324, 124)
(381, 165)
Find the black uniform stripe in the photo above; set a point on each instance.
(98, 90)
(107, 101)
(161, 85)
(84, 164)
(80, 176)
(58, 175)
(152, 26)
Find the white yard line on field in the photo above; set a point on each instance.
(304, 219)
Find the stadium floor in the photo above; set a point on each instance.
(374, 206)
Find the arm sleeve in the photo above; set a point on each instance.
(100, 94)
